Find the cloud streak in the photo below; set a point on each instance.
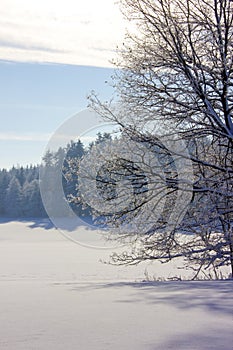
(32, 137)
(44, 137)
(24, 46)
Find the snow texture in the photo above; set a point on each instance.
(57, 295)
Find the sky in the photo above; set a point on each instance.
(52, 55)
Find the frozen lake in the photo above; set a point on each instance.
(57, 295)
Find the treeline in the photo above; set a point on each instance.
(19, 186)
(20, 193)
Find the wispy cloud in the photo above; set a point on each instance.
(72, 31)
(60, 140)
(12, 136)
(24, 46)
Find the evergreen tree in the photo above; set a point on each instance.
(4, 182)
(48, 159)
(20, 175)
(31, 204)
(13, 198)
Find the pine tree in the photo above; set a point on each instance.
(4, 182)
(13, 198)
(31, 203)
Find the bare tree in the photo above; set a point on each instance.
(176, 70)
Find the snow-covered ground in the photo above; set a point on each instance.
(57, 295)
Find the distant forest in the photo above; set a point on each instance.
(19, 187)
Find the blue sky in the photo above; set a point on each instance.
(52, 54)
(36, 99)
